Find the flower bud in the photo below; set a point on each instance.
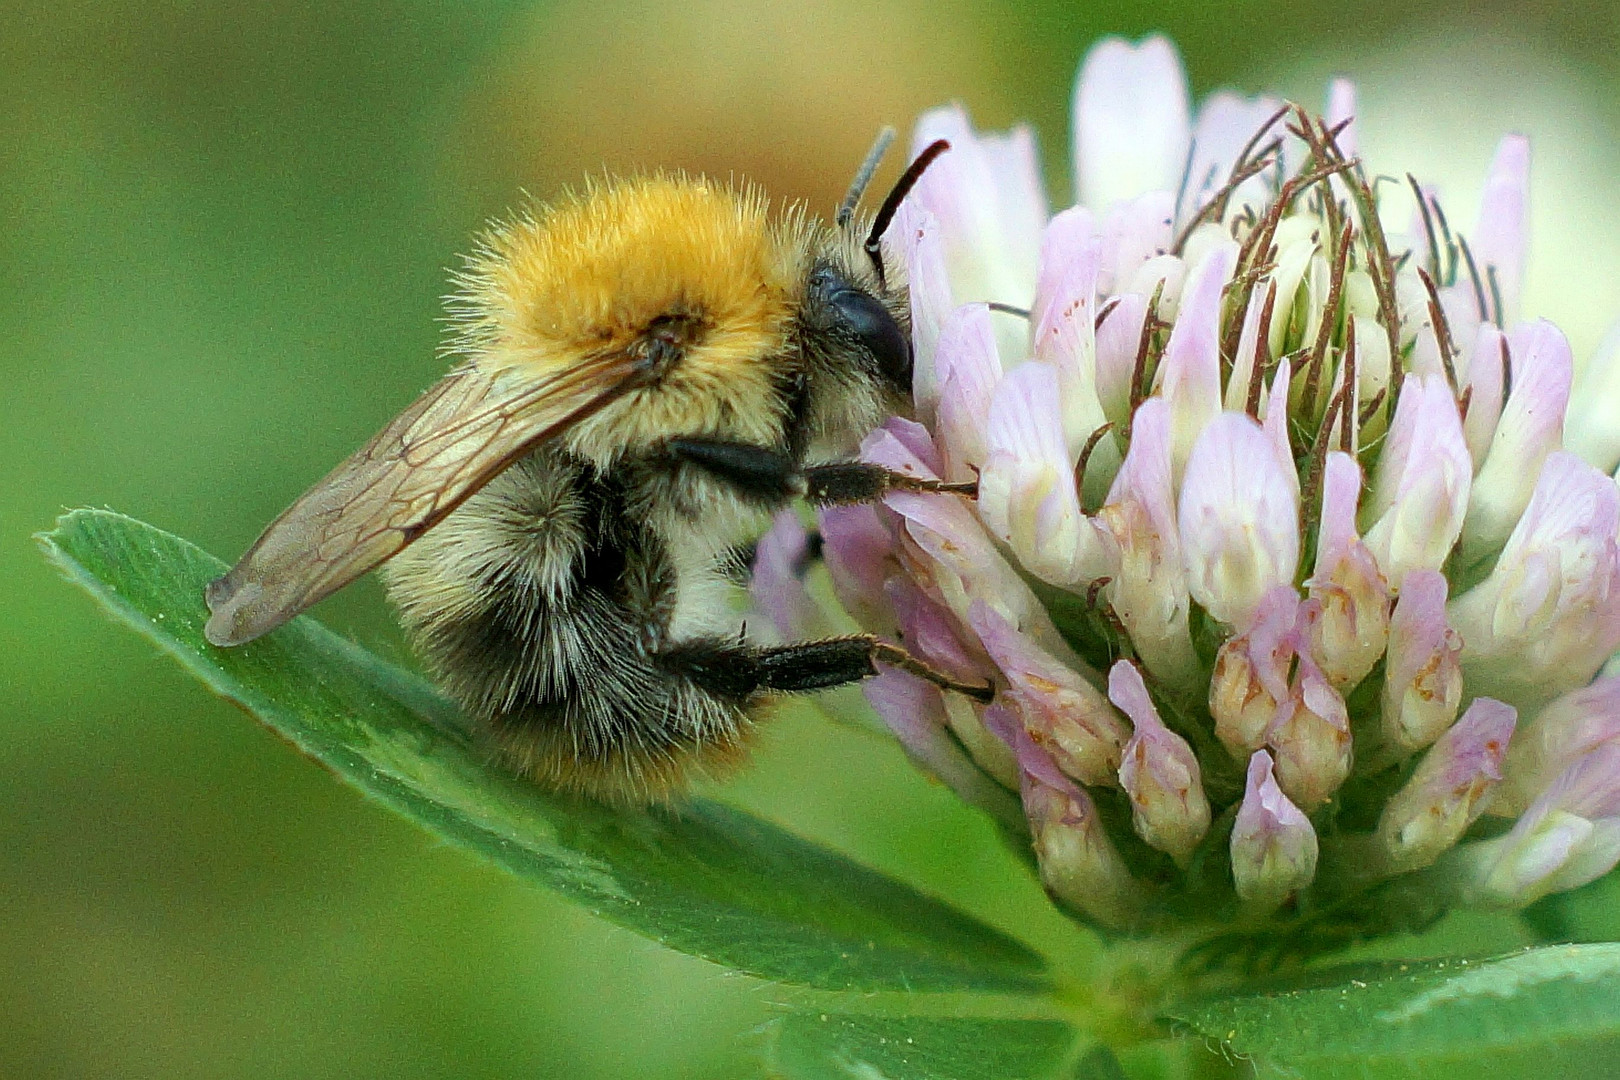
(1549, 614)
(1450, 788)
(1531, 427)
(1189, 374)
(1566, 730)
(1149, 592)
(1568, 837)
(1061, 712)
(1422, 672)
(1078, 863)
(1273, 845)
(1350, 626)
(1251, 674)
(1420, 493)
(1159, 772)
(1310, 738)
(1027, 493)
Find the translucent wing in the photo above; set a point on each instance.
(448, 444)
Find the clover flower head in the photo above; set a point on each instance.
(1293, 561)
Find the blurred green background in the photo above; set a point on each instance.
(224, 231)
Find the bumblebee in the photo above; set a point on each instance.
(648, 370)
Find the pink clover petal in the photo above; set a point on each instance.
(1423, 680)
(1237, 384)
(914, 710)
(1310, 738)
(1486, 376)
(929, 286)
(964, 564)
(1275, 421)
(1250, 680)
(1027, 493)
(1420, 492)
(969, 367)
(777, 585)
(1079, 865)
(1065, 715)
(1118, 340)
(1238, 518)
(931, 633)
(1569, 836)
(1341, 115)
(1069, 232)
(1149, 590)
(1135, 233)
(1274, 848)
(1592, 427)
(1501, 239)
(1351, 626)
(1190, 372)
(1341, 490)
(1451, 787)
(1549, 614)
(1131, 126)
(1568, 728)
(1530, 428)
(858, 546)
(986, 194)
(1065, 337)
(1159, 772)
(902, 446)
(1226, 123)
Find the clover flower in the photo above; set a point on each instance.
(1293, 559)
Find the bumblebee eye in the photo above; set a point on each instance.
(864, 316)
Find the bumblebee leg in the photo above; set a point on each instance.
(858, 482)
(771, 476)
(756, 472)
(737, 672)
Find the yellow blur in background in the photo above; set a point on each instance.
(224, 232)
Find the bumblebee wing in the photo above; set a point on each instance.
(452, 441)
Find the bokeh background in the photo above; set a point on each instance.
(224, 232)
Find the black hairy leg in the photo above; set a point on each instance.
(773, 477)
(857, 481)
(737, 672)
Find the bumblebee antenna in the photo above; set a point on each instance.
(902, 188)
(863, 176)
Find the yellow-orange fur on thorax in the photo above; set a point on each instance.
(593, 272)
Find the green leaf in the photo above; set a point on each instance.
(823, 1046)
(703, 878)
(1532, 1014)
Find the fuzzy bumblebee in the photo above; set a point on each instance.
(649, 370)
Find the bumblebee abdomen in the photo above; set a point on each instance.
(540, 606)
